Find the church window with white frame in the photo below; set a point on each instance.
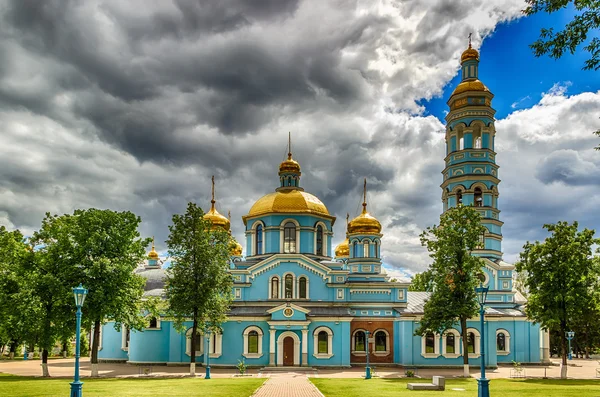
(502, 342)
(323, 342)
(253, 340)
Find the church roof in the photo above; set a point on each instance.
(416, 304)
(314, 311)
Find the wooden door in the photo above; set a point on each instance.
(288, 351)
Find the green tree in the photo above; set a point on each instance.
(198, 284)
(575, 32)
(421, 281)
(562, 274)
(101, 249)
(454, 273)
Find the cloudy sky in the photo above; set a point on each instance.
(134, 105)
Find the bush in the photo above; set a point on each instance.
(409, 374)
(241, 366)
(84, 345)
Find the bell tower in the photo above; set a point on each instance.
(470, 176)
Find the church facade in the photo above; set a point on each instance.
(300, 302)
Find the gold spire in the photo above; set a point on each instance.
(343, 249)
(213, 215)
(290, 165)
(364, 223)
(153, 254)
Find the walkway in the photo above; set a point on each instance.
(288, 384)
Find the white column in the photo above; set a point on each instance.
(272, 347)
(545, 346)
(305, 348)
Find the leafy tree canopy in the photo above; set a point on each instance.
(421, 281)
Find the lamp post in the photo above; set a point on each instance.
(483, 384)
(80, 294)
(367, 368)
(570, 335)
(207, 375)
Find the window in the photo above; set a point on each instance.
(323, 337)
(253, 342)
(360, 341)
(376, 249)
(153, 323)
(198, 341)
(289, 238)
(478, 142)
(429, 343)
(380, 341)
(340, 293)
(319, 240)
(126, 335)
(259, 240)
(450, 344)
(366, 249)
(289, 286)
(275, 288)
(461, 143)
(471, 342)
(478, 197)
(502, 342)
(355, 249)
(458, 197)
(302, 288)
(482, 240)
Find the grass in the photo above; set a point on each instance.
(380, 387)
(20, 386)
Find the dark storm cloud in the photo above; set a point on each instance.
(568, 167)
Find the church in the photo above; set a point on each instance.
(300, 302)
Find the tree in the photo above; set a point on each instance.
(575, 32)
(562, 274)
(421, 281)
(454, 273)
(100, 249)
(198, 284)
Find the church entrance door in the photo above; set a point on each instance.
(288, 351)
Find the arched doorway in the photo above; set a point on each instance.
(288, 349)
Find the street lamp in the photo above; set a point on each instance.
(570, 335)
(367, 368)
(207, 375)
(483, 384)
(80, 294)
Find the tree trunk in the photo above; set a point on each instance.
(65, 349)
(45, 372)
(13, 349)
(95, 343)
(463, 326)
(193, 344)
(563, 348)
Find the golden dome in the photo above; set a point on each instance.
(288, 201)
(236, 249)
(343, 249)
(470, 85)
(365, 222)
(217, 220)
(468, 54)
(153, 254)
(289, 165)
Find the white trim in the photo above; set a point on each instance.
(284, 305)
(436, 346)
(247, 331)
(506, 342)
(457, 344)
(124, 331)
(359, 352)
(215, 343)
(385, 352)
(324, 240)
(237, 293)
(329, 353)
(296, 338)
(150, 317)
(282, 286)
(188, 343)
(340, 294)
(307, 286)
(270, 296)
(281, 236)
(477, 342)
(253, 240)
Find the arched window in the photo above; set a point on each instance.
(376, 248)
(478, 197)
(471, 342)
(366, 252)
(198, 341)
(259, 240)
(458, 197)
(323, 343)
(302, 288)
(289, 286)
(478, 142)
(429, 343)
(380, 341)
(450, 344)
(289, 238)
(253, 342)
(319, 240)
(355, 249)
(501, 342)
(275, 288)
(360, 341)
(153, 323)
(461, 143)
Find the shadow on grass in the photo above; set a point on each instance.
(561, 382)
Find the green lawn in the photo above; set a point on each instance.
(17, 386)
(378, 387)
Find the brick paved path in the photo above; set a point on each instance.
(288, 385)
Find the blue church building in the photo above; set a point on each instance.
(299, 302)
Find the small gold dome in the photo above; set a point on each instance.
(470, 85)
(364, 223)
(288, 201)
(217, 220)
(153, 254)
(343, 249)
(468, 54)
(289, 165)
(236, 249)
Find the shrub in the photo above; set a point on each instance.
(241, 366)
(409, 374)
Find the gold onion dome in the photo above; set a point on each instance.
(343, 249)
(470, 85)
(217, 220)
(290, 165)
(236, 250)
(153, 254)
(288, 201)
(365, 223)
(469, 53)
